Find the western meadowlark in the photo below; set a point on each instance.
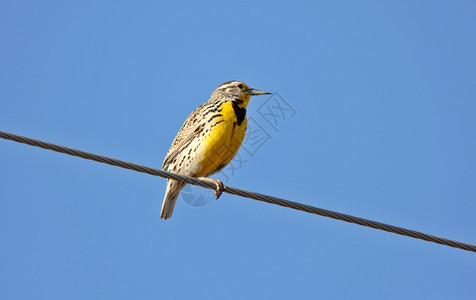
(208, 140)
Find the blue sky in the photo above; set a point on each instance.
(383, 127)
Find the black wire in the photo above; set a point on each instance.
(239, 192)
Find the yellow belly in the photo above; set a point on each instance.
(222, 142)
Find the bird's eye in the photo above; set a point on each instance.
(240, 86)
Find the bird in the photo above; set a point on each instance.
(208, 140)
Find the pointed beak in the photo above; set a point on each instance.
(254, 92)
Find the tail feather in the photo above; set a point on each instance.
(171, 194)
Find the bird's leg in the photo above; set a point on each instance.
(219, 185)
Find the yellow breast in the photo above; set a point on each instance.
(222, 141)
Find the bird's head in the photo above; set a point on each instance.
(236, 90)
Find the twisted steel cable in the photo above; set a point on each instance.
(240, 192)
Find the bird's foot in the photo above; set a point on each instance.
(220, 187)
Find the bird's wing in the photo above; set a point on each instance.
(190, 129)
